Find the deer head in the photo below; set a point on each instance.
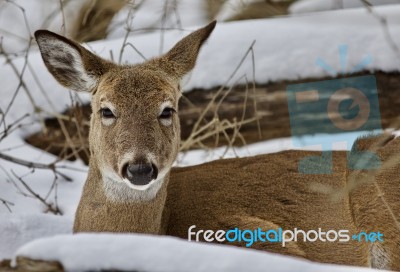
(134, 128)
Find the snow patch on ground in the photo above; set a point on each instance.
(47, 14)
(200, 156)
(17, 230)
(150, 15)
(26, 219)
(285, 48)
(307, 6)
(95, 252)
(231, 8)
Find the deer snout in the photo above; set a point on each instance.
(140, 173)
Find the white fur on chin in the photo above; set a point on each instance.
(117, 189)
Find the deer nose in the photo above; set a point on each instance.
(141, 173)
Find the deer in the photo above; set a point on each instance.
(132, 187)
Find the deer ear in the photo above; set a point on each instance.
(182, 57)
(70, 63)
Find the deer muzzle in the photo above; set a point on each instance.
(140, 173)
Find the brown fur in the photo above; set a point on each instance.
(265, 191)
(375, 202)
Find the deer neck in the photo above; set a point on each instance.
(118, 208)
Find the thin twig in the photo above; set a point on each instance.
(63, 26)
(30, 164)
(50, 207)
(7, 204)
(385, 27)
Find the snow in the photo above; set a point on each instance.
(39, 14)
(287, 51)
(305, 142)
(16, 230)
(306, 6)
(147, 15)
(95, 252)
(231, 8)
(27, 219)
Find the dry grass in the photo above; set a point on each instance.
(245, 11)
(204, 129)
(94, 19)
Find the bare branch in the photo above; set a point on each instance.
(50, 207)
(63, 26)
(29, 164)
(385, 27)
(7, 204)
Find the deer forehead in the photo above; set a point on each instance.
(135, 88)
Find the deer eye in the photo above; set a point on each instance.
(167, 113)
(107, 113)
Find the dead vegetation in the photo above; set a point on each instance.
(94, 19)
(219, 116)
(257, 10)
(24, 264)
(96, 15)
